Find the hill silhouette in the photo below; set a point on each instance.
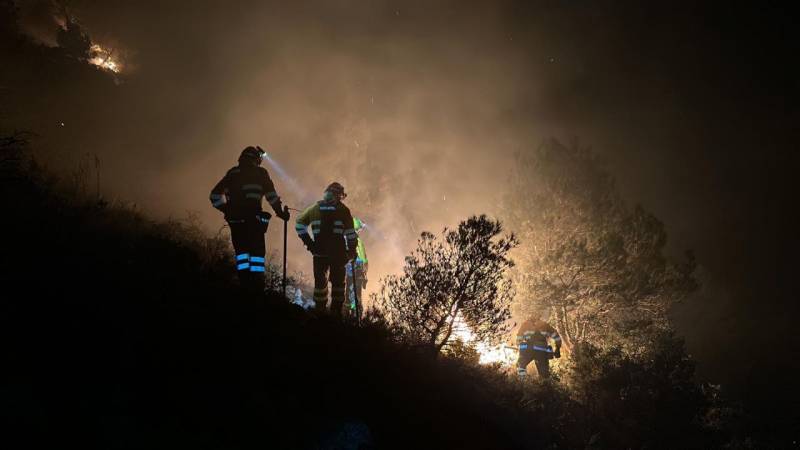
(127, 333)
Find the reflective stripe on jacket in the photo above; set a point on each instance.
(331, 225)
(536, 333)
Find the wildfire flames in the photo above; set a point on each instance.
(104, 58)
(489, 354)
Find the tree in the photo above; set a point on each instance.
(596, 266)
(73, 40)
(462, 273)
(628, 397)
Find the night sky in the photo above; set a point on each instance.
(692, 106)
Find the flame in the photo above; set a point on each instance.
(489, 354)
(104, 58)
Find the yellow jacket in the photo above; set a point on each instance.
(331, 225)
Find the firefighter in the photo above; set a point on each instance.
(532, 339)
(361, 265)
(333, 244)
(238, 195)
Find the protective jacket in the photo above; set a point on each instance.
(361, 251)
(533, 335)
(238, 194)
(331, 225)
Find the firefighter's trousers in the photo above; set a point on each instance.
(247, 235)
(360, 276)
(327, 268)
(542, 360)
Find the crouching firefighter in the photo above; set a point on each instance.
(332, 246)
(532, 339)
(238, 195)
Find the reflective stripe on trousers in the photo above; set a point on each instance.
(243, 261)
(257, 264)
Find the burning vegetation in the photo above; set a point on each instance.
(76, 42)
(586, 263)
(104, 58)
(460, 274)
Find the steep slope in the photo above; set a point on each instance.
(125, 333)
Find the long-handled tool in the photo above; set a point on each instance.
(285, 225)
(356, 288)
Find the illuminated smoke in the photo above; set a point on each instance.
(294, 186)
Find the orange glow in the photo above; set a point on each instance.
(489, 354)
(104, 58)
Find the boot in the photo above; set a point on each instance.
(257, 283)
(336, 307)
(244, 279)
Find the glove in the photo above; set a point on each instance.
(310, 244)
(283, 213)
(263, 220)
(263, 217)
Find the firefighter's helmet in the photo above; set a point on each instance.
(336, 190)
(252, 154)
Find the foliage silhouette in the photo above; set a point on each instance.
(461, 274)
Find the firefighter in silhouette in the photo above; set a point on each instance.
(333, 244)
(238, 195)
(532, 339)
(357, 269)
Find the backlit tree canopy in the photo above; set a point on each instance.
(462, 273)
(591, 263)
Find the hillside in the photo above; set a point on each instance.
(124, 334)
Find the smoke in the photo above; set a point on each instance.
(41, 20)
(417, 108)
(400, 115)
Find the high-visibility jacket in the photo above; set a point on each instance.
(238, 194)
(331, 225)
(533, 335)
(361, 251)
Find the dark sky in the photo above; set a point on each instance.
(692, 105)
